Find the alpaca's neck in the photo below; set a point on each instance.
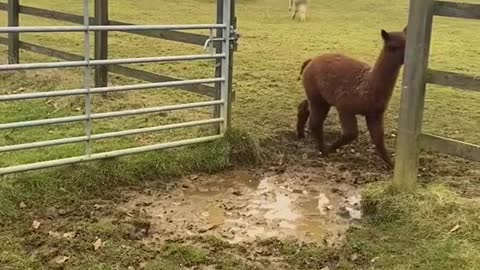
(384, 75)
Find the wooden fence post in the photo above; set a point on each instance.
(413, 93)
(13, 38)
(101, 42)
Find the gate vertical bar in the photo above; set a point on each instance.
(87, 79)
(413, 93)
(218, 62)
(231, 49)
(225, 92)
(13, 38)
(101, 42)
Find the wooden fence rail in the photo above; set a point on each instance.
(14, 44)
(416, 76)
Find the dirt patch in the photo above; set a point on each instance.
(241, 206)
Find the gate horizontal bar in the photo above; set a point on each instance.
(105, 155)
(117, 69)
(76, 92)
(457, 10)
(70, 64)
(79, 118)
(95, 137)
(184, 37)
(450, 147)
(63, 29)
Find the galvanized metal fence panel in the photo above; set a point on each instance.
(228, 37)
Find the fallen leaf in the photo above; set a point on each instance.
(454, 229)
(53, 234)
(98, 244)
(69, 235)
(354, 257)
(23, 205)
(98, 206)
(208, 228)
(143, 265)
(36, 225)
(61, 259)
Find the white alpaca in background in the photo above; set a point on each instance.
(299, 6)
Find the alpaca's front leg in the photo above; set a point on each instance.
(377, 133)
(349, 131)
(294, 13)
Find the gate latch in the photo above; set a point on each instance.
(234, 36)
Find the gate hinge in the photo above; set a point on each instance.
(234, 36)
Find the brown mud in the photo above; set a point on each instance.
(248, 205)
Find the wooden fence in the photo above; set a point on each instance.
(101, 17)
(416, 76)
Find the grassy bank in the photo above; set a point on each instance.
(74, 184)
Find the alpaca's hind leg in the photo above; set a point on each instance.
(377, 133)
(303, 12)
(318, 113)
(302, 118)
(349, 131)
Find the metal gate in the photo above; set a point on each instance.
(222, 37)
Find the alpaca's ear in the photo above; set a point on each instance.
(385, 35)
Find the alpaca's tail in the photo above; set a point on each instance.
(304, 65)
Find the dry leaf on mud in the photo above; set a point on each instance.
(36, 224)
(69, 235)
(53, 234)
(22, 205)
(454, 229)
(61, 259)
(98, 244)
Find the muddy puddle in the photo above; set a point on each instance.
(242, 206)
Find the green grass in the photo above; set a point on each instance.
(403, 231)
(98, 180)
(414, 231)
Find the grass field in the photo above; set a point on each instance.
(403, 231)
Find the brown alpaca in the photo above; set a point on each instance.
(353, 88)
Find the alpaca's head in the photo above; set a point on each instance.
(394, 44)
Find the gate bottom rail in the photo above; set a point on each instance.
(105, 155)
